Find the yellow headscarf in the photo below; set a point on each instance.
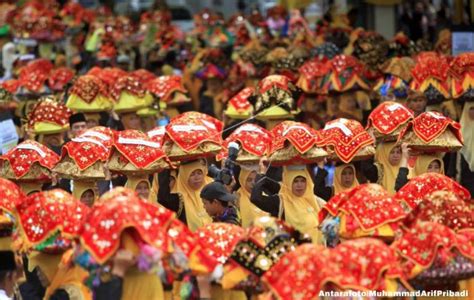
(422, 163)
(338, 187)
(69, 277)
(196, 216)
(134, 181)
(48, 263)
(301, 212)
(248, 211)
(468, 135)
(389, 172)
(138, 284)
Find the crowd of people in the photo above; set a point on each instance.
(250, 158)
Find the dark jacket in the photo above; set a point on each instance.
(230, 215)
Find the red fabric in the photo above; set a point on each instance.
(59, 78)
(429, 125)
(157, 134)
(85, 153)
(42, 214)
(419, 187)
(22, 159)
(345, 145)
(10, 195)
(389, 116)
(88, 87)
(49, 111)
(219, 239)
(127, 84)
(163, 87)
(252, 138)
(118, 210)
(140, 155)
(240, 101)
(300, 135)
(143, 76)
(273, 81)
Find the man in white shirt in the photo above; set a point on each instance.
(7, 275)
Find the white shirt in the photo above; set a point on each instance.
(3, 295)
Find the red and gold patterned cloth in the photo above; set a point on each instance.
(58, 78)
(10, 196)
(118, 210)
(311, 75)
(48, 110)
(388, 117)
(163, 87)
(366, 208)
(240, 102)
(33, 76)
(127, 84)
(461, 70)
(366, 264)
(413, 193)
(109, 76)
(300, 135)
(426, 242)
(189, 130)
(252, 139)
(444, 207)
(273, 81)
(304, 272)
(430, 125)
(219, 239)
(431, 69)
(86, 151)
(41, 215)
(24, 155)
(88, 87)
(157, 134)
(142, 75)
(345, 73)
(138, 148)
(346, 137)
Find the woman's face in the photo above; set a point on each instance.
(88, 198)
(434, 167)
(299, 186)
(250, 181)
(347, 177)
(395, 156)
(131, 121)
(196, 179)
(143, 190)
(418, 105)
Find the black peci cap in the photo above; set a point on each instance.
(7, 259)
(216, 190)
(76, 118)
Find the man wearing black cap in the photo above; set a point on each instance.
(77, 125)
(220, 204)
(7, 274)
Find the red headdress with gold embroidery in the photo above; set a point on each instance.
(366, 210)
(419, 187)
(295, 143)
(219, 239)
(461, 69)
(89, 94)
(10, 195)
(444, 207)
(134, 152)
(239, 106)
(84, 157)
(168, 89)
(192, 135)
(430, 76)
(29, 161)
(58, 78)
(311, 75)
(345, 73)
(367, 264)
(142, 75)
(33, 76)
(254, 141)
(157, 134)
(130, 95)
(49, 116)
(48, 215)
(122, 209)
(348, 139)
(108, 75)
(431, 252)
(388, 119)
(432, 131)
(299, 267)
